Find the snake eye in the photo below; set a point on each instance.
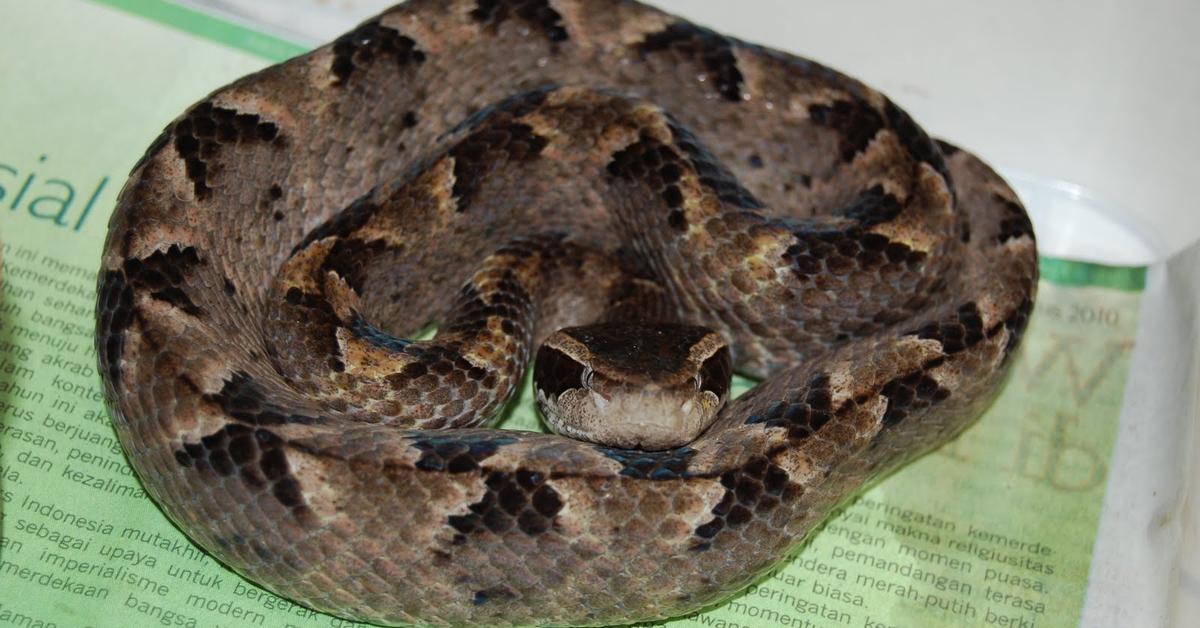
(586, 377)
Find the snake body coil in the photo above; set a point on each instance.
(504, 169)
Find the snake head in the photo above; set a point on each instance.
(632, 386)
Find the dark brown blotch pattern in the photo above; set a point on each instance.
(855, 121)
(1015, 223)
(752, 491)
(711, 172)
(659, 167)
(874, 206)
(520, 501)
(164, 274)
(1017, 322)
(838, 252)
(804, 414)
(506, 299)
(910, 393)
(343, 224)
(537, 13)
(114, 315)
(360, 47)
(256, 456)
(671, 464)
(914, 139)
(205, 129)
(487, 148)
(242, 398)
(710, 50)
(958, 333)
(457, 453)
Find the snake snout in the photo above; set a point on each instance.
(633, 386)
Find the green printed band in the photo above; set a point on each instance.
(1068, 273)
(209, 27)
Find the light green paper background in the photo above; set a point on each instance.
(87, 86)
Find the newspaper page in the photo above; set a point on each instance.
(996, 528)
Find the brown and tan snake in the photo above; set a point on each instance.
(503, 169)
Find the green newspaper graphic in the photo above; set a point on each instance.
(994, 529)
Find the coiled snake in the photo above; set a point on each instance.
(504, 169)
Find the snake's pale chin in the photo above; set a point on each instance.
(648, 387)
(649, 420)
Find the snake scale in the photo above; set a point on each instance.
(503, 169)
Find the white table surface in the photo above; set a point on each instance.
(1101, 94)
